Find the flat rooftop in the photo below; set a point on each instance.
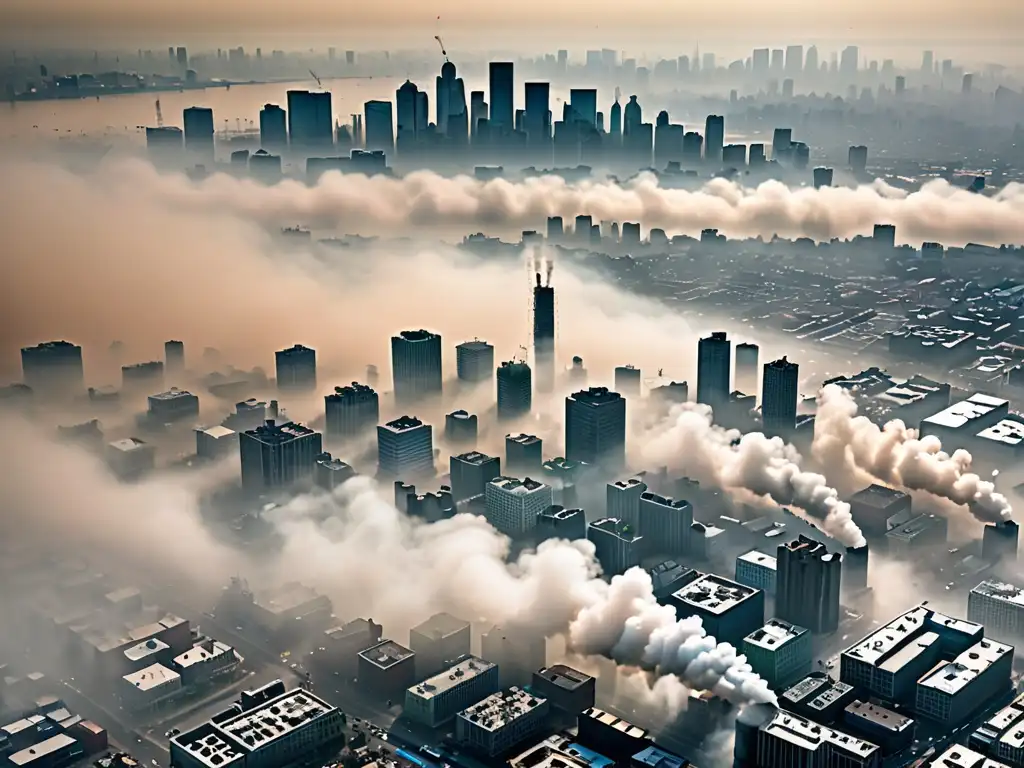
(522, 439)
(878, 496)
(623, 485)
(959, 415)
(202, 652)
(146, 648)
(287, 597)
(467, 669)
(516, 486)
(565, 677)
(834, 689)
(272, 433)
(402, 424)
(476, 458)
(803, 689)
(172, 394)
(217, 432)
(420, 335)
(759, 558)
(880, 716)
(1001, 591)
(623, 726)
(596, 396)
(474, 346)
(386, 654)
(957, 756)
(714, 594)
(774, 634)
(40, 750)
(441, 625)
(128, 444)
(152, 677)
(953, 676)
(500, 709)
(808, 735)
(275, 718)
(1009, 432)
(620, 528)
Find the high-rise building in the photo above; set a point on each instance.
(714, 355)
(822, 177)
(858, 159)
(139, 376)
(623, 500)
(329, 472)
(199, 131)
(310, 122)
(714, 138)
(474, 361)
(811, 61)
(515, 390)
(351, 411)
(780, 652)
(171, 406)
(416, 365)
(665, 524)
(438, 699)
(557, 522)
(778, 63)
(502, 81)
(275, 455)
(411, 111)
(779, 397)
(174, 358)
(807, 585)
(595, 427)
(537, 117)
(850, 61)
(616, 543)
(54, 367)
(884, 235)
(439, 642)
(513, 506)
(296, 368)
(794, 60)
(452, 115)
(746, 368)
(928, 62)
(470, 474)
(627, 381)
(460, 428)
(544, 334)
(615, 121)
(759, 61)
(405, 448)
(584, 104)
(523, 455)
(901, 85)
(380, 129)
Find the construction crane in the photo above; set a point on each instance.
(159, 115)
(317, 78)
(440, 42)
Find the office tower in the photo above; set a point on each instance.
(410, 111)
(329, 472)
(351, 411)
(759, 61)
(634, 117)
(474, 361)
(746, 368)
(671, 393)
(693, 144)
(581, 230)
(630, 233)
(787, 88)
(665, 524)
(199, 130)
(779, 397)
(416, 365)
(181, 55)
(296, 368)
(615, 121)
(778, 64)
(627, 381)
(850, 60)
(470, 472)
(714, 138)
(557, 522)
(165, 143)
(757, 158)
(171, 406)
(139, 376)
(538, 112)
(822, 177)
(310, 123)
(501, 95)
(379, 126)
(275, 455)
(405, 448)
(523, 455)
(780, 652)
(928, 62)
(885, 235)
(811, 61)
(554, 234)
(438, 643)
(595, 427)
(515, 390)
(858, 159)
(623, 500)
(452, 113)
(513, 505)
(617, 545)
(807, 585)
(967, 84)
(460, 428)
(544, 333)
(794, 60)
(999, 541)
(901, 84)
(713, 364)
(584, 104)
(734, 156)
(478, 109)
(174, 357)
(782, 141)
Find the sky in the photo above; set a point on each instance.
(399, 23)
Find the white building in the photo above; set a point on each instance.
(999, 607)
(779, 652)
(758, 570)
(205, 661)
(500, 721)
(131, 457)
(149, 686)
(512, 506)
(405, 447)
(958, 756)
(954, 690)
(215, 442)
(438, 699)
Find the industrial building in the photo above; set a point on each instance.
(730, 611)
(386, 669)
(498, 723)
(999, 607)
(873, 507)
(438, 699)
(405, 448)
(513, 506)
(438, 642)
(772, 738)
(779, 652)
(267, 727)
(567, 689)
(953, 691)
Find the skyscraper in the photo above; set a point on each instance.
(53, 367)
(474, 361)
(174, 358)
(811, 61)
(714, 355)
(807, 585)
(794, 60)
(759, 62)
(858, 159)
(779, 397)
(714, 138)
(515, 390)
(595, 427)
(627, 380)
(634, 117)
(501, 93)
(416, 365)
(410, 112)
(405, 448)
(380, 131)
(273, 127)
(310, 122)
(537, 118)
(274, 455)
(584, 104)
(199, 130)
(470, 473)
(296, 368)
(351, 411)
(615, 121)
(850, 61)
(452, 114)
(544, 334)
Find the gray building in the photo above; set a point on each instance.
(470, 474)
(515, 390)
(460, 428)
(627, 381)
(513, 505)
(438, 643)
(351, 411)
(665, 524)
(714, 355)
(730, 611)
(310, 120)
(877, 509)
(523, 455)
(779, 397)
(386, 669)
(758, 570)
(53, 367)
(493, 726)
(595, 427)
(557, 522)
(999, 607)
(623, 500)
(405, 447)
(275, 455)
(746, 368)
(518, 653)
(416, 364)
(438, 699)
(779, 652)
(171, 406)
(331, 472)
(474, 361)
(807, 585)
(296, 369)
(617, 545)
(565, 688)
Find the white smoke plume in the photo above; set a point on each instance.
(628, 625)
(895, 454)
(688, 441)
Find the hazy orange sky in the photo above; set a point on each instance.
(578, 23)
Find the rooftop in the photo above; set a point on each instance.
(202, 652)
(461, 415)
(402, 424)
(957, 756)
(620, 528)
(152, 677)
(353, 391)
(653, 757)
(804, 689)
(1006, 432)
(834, 689)
(467, 669)
(623, 726)
(43, 748)
(128, 444)
(810, 736)
(275, 718)
(633, 482)
(522, 439)
(273, 433)
(714, 594)
(557, 512)
(759, 558)
(287, 597)
(420, 335)
(500, 709)
(877, 496)
(774, 634)
(386, 654)
(475, 346)
(959, 415)
(476, 458)
(517, 486)
(172, 394)
(880, 716)
(217, 432)
(295, 349)
(596, 396)
(441, 625)
(952, 677)
(1000, 590)
(875, 647)
(565, 677)
(146, 648)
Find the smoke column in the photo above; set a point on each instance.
(688, 441)
(895, 454)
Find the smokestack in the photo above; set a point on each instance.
(274, 410)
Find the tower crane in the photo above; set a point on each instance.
(440, 42)
(159, 115)
(317, 78)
